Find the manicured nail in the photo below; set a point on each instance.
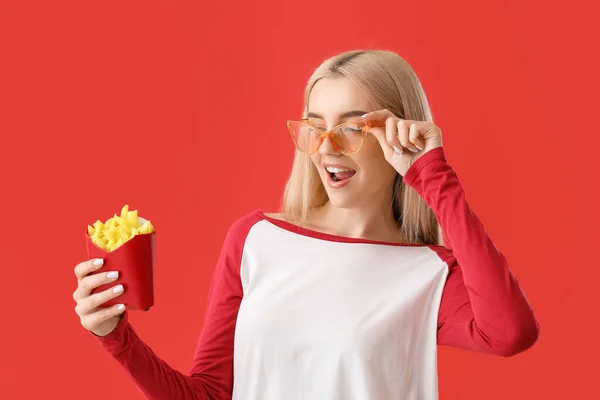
(120, 307)
(418, 147)
(364, 115)
(118, 289)
(98, 261)
(398, 150)
(413, 150)
(112, 275)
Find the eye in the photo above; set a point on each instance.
(351, 129)
(317, 123)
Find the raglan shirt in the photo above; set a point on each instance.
(297, 314)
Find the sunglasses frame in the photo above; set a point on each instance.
(364, 125)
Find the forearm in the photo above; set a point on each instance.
(156, 379)
(502, 316)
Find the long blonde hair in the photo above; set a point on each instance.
(389, 82)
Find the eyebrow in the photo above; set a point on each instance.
(349, 114)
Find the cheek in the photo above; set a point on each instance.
(371, 155)
(373, 163)
(316, 159)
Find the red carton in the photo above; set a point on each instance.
(135, 262)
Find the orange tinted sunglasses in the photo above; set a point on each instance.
(347, 138)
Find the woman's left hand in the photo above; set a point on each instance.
(404, 141)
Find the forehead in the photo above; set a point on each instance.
(331, 97)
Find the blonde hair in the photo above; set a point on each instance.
(389, 82)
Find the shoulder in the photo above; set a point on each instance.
(238, 231)
(278, 216)
(240, 228)
(243, 224)
(445, 254)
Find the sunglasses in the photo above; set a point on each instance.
(347, 138)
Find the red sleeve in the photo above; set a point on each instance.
(211, 376)
(482, 307)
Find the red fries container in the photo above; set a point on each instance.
(135, 262)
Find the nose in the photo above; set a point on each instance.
(327, 148)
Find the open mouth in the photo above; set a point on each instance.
(339, 174)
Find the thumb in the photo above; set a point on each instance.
(379, 134)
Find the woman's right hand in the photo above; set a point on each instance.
(99, 320)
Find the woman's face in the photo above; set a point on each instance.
(365, 178)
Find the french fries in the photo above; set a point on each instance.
(117, 230)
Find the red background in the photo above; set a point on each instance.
(177, 108)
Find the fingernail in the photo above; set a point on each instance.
(120, 307)
(364, 115)
(398, 150)
(98, 261)
(418, 147)
(413, 150)
(112, 274)
(118, 289)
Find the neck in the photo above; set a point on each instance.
(374, 221)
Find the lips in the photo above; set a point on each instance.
(338, 175)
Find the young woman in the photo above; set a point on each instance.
(345, 294)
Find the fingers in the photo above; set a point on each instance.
(88, 308)
(85, 268)
(400, 134)
(92, 321)
(91, 282)
(404, 135)
(380, 135)
(90, 303)
(414, 136)
(391, 134)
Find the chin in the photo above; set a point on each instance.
(346, 197)
(338, 201)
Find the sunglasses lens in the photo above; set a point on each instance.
(305, 137)
(349, 138)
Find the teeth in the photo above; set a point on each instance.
(333, 170)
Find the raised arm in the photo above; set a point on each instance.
(483, 308)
